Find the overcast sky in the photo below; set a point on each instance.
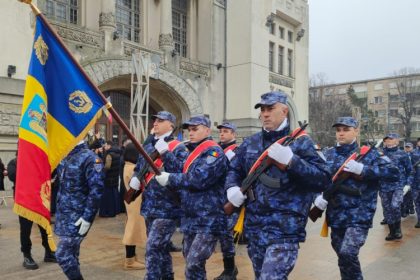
(353, 40)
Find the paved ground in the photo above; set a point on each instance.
(102, 254)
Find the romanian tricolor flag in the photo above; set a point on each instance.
(60, 105)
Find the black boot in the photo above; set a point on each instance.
(418, 224)
(28, 262)
(398, 233)
(50, 257)
(391, 235)
(383, 222)
(230, 270)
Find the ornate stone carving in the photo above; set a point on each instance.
(165, 40)
(279, 80)
(105, 69)
(194, 67)
(107, 19)
(78, 34)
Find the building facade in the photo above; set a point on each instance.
(387, 99)
(211, 57)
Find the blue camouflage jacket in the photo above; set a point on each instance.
(415, 160)
(81, 179)
(346, 210)
(202, 192)
(158, 201)
(402, 160)
(280, 214)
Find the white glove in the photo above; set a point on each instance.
(230, 154)
(134, 183)
(354, 167)
(161, 146)
(320, 202)
(280, 153)
(84, 226)
(235, 196)
(163, 178)
(406, 189)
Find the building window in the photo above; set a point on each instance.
(281, 60)
(179, 26)
(271, 28)
(63, 10)
(377, 100)
(393, 112)
(271, 57)
(290, 36)
(290, 62)
(281, 32)
(127, 16)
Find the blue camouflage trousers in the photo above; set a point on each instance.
(67, 255)
(391, 204)
(227, 245)
(273, 262)
(158, 256)
(347, 243)
(407, 203)
(197, 248)
(416, 199)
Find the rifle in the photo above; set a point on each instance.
(249, 180)
(338, 179)
(132, 194)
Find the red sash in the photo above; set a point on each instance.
(159, 163)
(197, 152)
(230, 148)
(280, 141)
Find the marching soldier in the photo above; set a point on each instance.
(201, 184)
(227, 135)
(415, 186)
(407, 206)
(81, 186)
(350, 215)
(275, 222)
(160, 205)
(392, 193)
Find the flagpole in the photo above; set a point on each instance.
(107, 104)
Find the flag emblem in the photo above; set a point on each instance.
(41, 50)
(79, 102)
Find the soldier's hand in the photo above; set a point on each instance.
(320, 202)
(161, 146)
(281, 154)
(406, 189)
(134, 183)
(354, 167)
(163, 178)
(235, 196)
(84, 226)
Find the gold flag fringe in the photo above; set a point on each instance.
(38, 219)
(238, 229)
(324, 229)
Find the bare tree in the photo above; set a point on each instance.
(325, 106)
(407, 81)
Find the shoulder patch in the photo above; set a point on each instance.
(98, 167)
(210, 159)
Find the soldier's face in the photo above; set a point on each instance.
(197, 133)
(408, 149)
(226, 135)
(390, 142)
(346, 134)
(273, 115)
(161, 127)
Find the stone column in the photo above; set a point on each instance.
(166, 42)
(108, 26)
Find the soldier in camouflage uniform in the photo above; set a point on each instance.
(415, 185)
(227, 135)
(81, 185)
(407, 206)
(275, 222)
(350, 216)
(160, 206)
(201, 184)
(392, 193)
